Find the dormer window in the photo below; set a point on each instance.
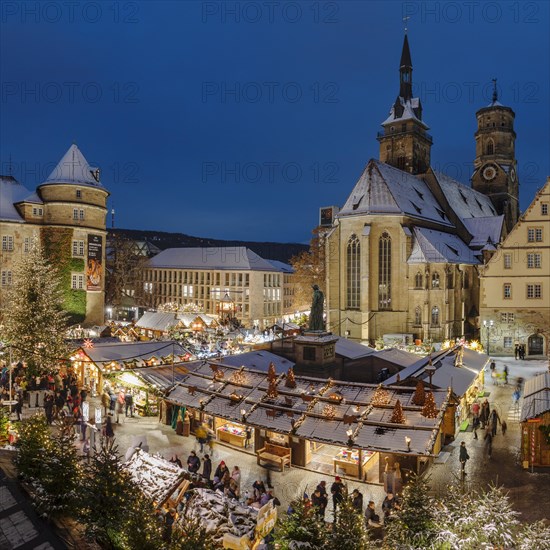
(37, 211)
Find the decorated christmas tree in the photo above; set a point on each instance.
(106, 493)
(348, 530)
(301, 529)
(290, 379)
(34, 323)
(398, 417)
(34, 447)
(381, 397)
(190, 533)
(271, 372)
(413, 525)
(141, 527)
(429, 410)
(419, 396)
(61, 474)
(272, 392)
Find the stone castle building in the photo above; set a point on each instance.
(67, 215)
(515, 284)
(404, 251)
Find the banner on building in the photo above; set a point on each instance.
(94, 268)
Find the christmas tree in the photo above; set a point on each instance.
(271, 373)
(348, 530)
(106, 492)
(301, 529)
(290, 379)
(413, 525)
(61, 474)
(398, 417)
(33, 447)
(190, 533)
(419, 396)
(34, 323)
(430, 410)
(272, 392)
(141, 528)
(381, 397)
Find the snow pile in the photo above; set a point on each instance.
(156, 476)
(220, 515)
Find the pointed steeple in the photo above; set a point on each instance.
(405, 71)
(74, 168)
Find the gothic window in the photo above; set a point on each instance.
(435, 280)
(435, 316)
(418, 280)
(384, 272)
(353, 268)
(401, 163)
(418, 316)
(490, 147)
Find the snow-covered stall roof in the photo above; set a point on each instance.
(157, 320)
(320, 410)
(536, 400)
(157, 478)
(256, 360)
(352, 350)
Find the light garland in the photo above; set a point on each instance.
(381, 397)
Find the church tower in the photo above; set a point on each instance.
(495, 165)
(404, 143)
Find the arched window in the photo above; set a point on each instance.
(490, 147)
(418, 316)
(353, 272)
(435, 316)
(384, 272)
(435, 280)
(418, 280)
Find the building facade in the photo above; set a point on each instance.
(224, 281)
(66, 214)
(404, 251)
(515, 284)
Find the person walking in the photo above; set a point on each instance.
(108, 431)
(105, 402)
(505, 374)
(504, 427)
(494, 420)
(337, 492)
(129, 401)
(463, 457)
(121, 400)
(193, 462)
(19, 407)
(206, 468)
(319, 501)
(484, 415)
(475, 425)
(488, 443)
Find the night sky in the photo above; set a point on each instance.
(241, 125)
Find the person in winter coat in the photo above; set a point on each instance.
(488, 442)
(320, 502)
(193, 462)
(105, 402)
(236, 476)
(463, 457)
(484, 414)
(129, 402)
(337, 492)
(494, 420)
(108, 431)
(206, 468)
(220, 470)
(120, 402)
(357, 500)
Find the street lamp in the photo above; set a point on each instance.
(488, 325)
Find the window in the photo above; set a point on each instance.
(78, 214)
(435, 280)
(26, 244)
(401, 163)
(506, 317)
(450, 280)
(78, 248)
(75, 213)
(435, 316)
(353, 269)
(507, 291)
(77, 281)
(7, 243)
(78, 193)
(148, 288)
(490, 147)
(418, 316)
(534, 234)
(6, 278)
(534, 291)
(507, 342)
(81, 214)
(534, 260)
(544, 209)
(418, 280)
(384, 272)
(37, 211)
(507, 261)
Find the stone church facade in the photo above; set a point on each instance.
(67, 215)
(404, 252)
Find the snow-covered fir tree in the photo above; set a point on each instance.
(34, 322)
(349, 530)
(301, 529)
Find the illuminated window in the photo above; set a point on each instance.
(353, 268)
(418, 280)
(384, 272)
(435, 316)
(435, 280)
(507, 261)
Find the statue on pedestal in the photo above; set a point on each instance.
(316, 321)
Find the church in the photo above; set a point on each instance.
(404, 251)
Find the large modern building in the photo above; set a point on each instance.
(66, 214)
(515, 284)
(404, 250)
(221, 281)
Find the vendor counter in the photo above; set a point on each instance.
(348, 460)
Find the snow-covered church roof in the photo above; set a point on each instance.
(383, 189)
(73, 168)
(432, 246)
(409, 108)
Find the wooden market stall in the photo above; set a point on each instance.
(535, 422)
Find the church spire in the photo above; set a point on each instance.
(405, 71)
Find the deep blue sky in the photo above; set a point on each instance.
(167, 133)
